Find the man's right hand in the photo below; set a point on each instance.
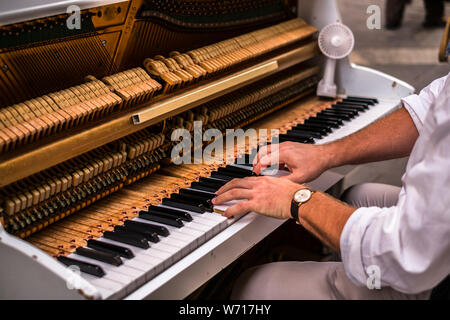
(305, 162)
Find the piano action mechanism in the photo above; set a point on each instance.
(86, 118)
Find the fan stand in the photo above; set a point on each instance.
(326, 86)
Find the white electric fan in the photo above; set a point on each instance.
(336, 42)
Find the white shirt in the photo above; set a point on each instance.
(410, 242)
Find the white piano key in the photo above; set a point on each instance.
(188, 238)
(108, 288)
(183, 247)
(128, 281)
(200, 237)
(216, 216)
(123, 274)
(206, 230)
(140, 255)
(136, 263)
(201, 219)
(170, 249)
(225, 206)
(164, 255)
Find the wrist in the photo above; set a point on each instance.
(331, 156)
(325, 217)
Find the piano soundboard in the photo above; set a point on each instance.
(92, 205)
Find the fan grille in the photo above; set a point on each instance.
(336, 41)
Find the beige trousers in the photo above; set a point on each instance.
(319, 280)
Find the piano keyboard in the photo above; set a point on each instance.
(123, 259)
(127, 256)
(339, 120)
(382, 108)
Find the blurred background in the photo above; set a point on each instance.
(409, 53)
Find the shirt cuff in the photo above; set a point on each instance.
(412, 103)
(351, 241)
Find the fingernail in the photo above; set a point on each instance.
(213, 200)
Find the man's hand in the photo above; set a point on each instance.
(305, 162)
(265, 195)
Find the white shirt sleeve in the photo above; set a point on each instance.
(410, 242)
(418, 105)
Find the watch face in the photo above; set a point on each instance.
(302, 195)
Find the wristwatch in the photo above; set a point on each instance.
(300, 197)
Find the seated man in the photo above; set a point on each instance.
(399, 237)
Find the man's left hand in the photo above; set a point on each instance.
(269, 196)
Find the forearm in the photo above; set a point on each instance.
(325, 217)
(389, 138)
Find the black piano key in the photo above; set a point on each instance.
(194, 199)
(237, 170)
(348, 106)
(343, 117)
(127, 238)
(329, 118)
(147, 227)
(342, 109)
(299, 134)
(225, 172)
(200, 186)
(215, 182)
(314, 127)
(325, 123)
(111, 248)
(287, 137)
(363, 99)
(85, 267)
(184, 205)
(161, 219)
(306, 128)
(355, 103)
(149, 236)
(183, 215)
(210, 194)
(338, 115)
(223, 176)
(313, 134)
(106, 257)
(350, 114)
(205, 195)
